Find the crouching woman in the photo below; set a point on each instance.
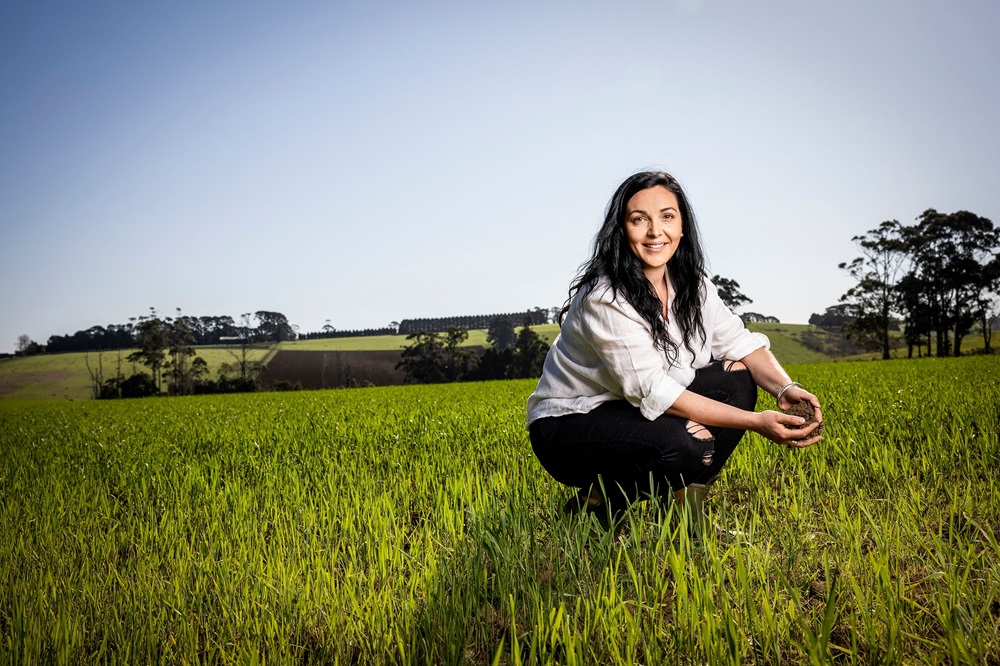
(652, 381)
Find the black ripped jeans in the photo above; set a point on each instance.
(630, 452)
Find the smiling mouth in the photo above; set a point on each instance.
(654, 246)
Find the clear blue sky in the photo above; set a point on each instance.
(374, 161)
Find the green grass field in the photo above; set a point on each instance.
(412, 525)
(65, 376)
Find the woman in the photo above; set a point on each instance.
(653, 380)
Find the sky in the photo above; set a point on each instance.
(367, 162)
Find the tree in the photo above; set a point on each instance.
(139, 385)
(273, 326)
(529, 354)
(756, 317)
(27, 347)
(182, 367)
(248, 367)
(460, 362)
(987, 303)
(501, 334)
(423, 359)
(212, 329)
(494, 363)
(873, 300)
(729, 292)
(97, 381)
(918, 320)
(834, 318)
(152, 341)
(167, 345)
(431, 359)
(950, 254)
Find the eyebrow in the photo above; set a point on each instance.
(662, 210)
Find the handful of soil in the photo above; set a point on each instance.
(805, 410)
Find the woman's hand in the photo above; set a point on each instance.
(769, 375)
(775, 426)
(797, 394)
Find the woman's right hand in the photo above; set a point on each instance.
(775, 427)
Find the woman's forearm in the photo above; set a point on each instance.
(767, 373)
(775, 426)
(710, 412)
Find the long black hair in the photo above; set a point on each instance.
(613, 258)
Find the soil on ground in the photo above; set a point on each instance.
(333, 369)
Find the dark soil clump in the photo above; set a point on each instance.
(805, 410)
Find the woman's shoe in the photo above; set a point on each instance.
(587, 499)
(691, 499)
(591, 500)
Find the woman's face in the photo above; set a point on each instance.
(654, 228)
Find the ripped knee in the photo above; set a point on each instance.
(735, 366)
(705, 439)
(698, 431)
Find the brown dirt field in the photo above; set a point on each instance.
(333, 369)
(12, 383)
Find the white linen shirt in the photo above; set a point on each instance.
(605, 352)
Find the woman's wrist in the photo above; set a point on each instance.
(781, 391)
(756, 423)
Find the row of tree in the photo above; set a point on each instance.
(433, 357)
(258, 327)
(535, 316)
(331, 332)
(935, 279)
(165, 345)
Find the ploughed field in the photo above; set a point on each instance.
(333, 369)
(412, 525)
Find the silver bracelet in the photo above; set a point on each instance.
(777, 398)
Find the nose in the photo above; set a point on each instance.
(654, 229)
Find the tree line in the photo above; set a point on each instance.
(435, 357)
(933, 280)
(257, 327)
(356, 333)
(165, 346)
(469, 322)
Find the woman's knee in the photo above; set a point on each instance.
(691, 452)
(744, 387)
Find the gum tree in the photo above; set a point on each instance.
(874, 299)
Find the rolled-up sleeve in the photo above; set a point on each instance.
(622, 340)
(730, 337)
